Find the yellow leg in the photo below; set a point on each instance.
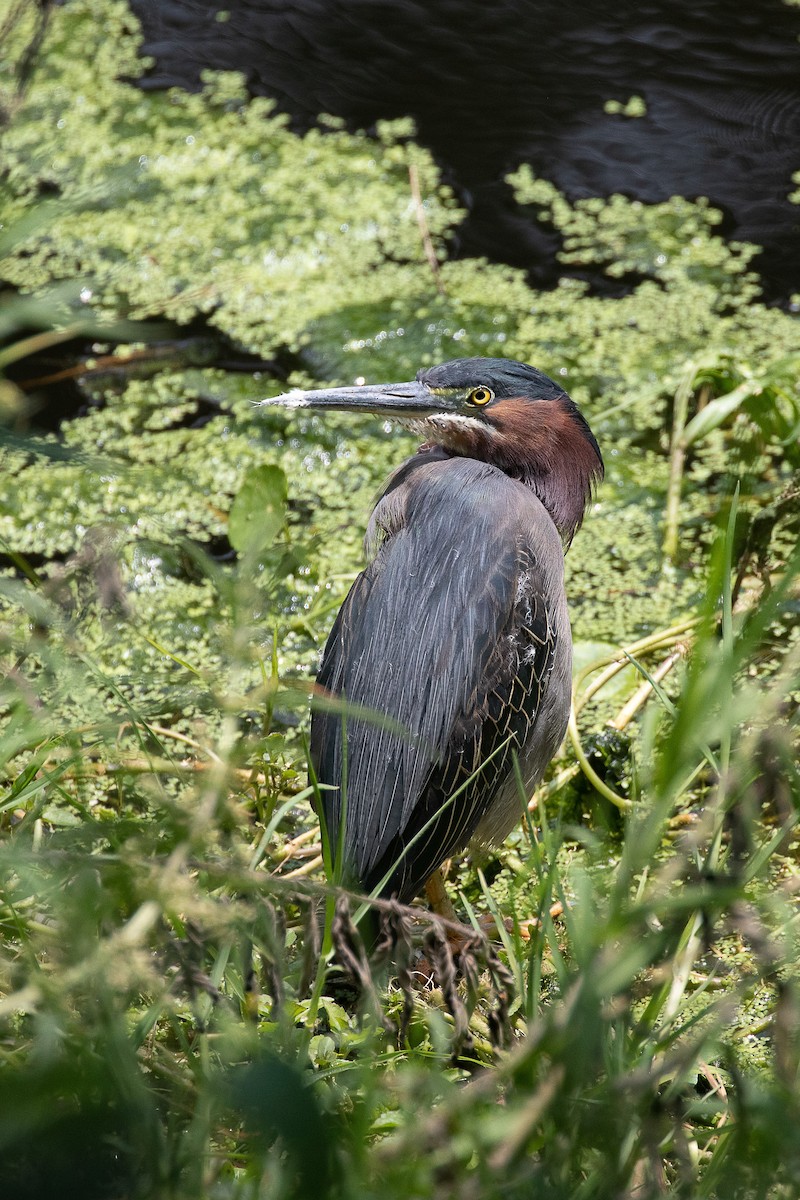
(438, 898)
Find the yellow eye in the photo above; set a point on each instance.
(480, 396)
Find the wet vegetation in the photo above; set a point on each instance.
(172, 1019)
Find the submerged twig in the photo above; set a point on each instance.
(681, 634)
(643, 693)
(425, 233)
(617, 662)
(306, 869)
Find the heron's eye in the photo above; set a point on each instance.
(480, 396)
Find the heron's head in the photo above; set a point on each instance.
(493, 409)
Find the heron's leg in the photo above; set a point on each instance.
(438, 898)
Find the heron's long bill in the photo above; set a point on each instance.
(406, 400)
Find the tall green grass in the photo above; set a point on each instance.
(168, 1030)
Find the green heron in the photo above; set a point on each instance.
(457, 631)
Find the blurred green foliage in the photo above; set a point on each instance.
(172, 557)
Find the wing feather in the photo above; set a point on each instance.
(449, 632)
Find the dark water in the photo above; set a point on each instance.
(492, 85)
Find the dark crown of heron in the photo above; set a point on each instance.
(519, 420)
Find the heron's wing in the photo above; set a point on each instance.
(447, 632)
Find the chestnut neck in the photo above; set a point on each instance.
(545, 444)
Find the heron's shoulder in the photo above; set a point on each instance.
(434, 476)
(436, 493)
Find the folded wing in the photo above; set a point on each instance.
(453, 641)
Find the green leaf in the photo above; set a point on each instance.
(277, 1102)
(718, 411)
(258, 513)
